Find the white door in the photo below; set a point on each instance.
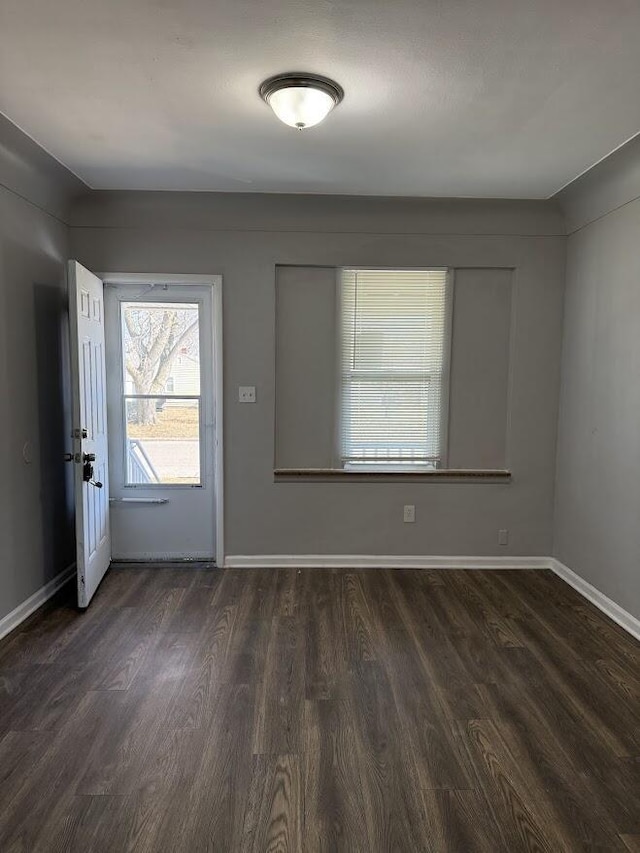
(161, 406)
(90, 449)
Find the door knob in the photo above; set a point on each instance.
(69, 457)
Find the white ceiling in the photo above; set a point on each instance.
(487, 98)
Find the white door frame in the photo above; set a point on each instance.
(215, 283)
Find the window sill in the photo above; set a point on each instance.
(491, 475)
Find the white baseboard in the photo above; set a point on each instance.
(371, 561)
(601, 601)
(24, 610)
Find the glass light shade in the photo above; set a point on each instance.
(301, 106)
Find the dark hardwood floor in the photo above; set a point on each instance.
(321, 710)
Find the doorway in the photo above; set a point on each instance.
(163, 341)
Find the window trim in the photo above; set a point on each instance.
(384, 467)
(447, 475)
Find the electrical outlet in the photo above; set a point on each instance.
(409, 513)
(246, 393)
(503, 537)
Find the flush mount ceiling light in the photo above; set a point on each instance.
(301, 100)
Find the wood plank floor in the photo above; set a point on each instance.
(321, 710)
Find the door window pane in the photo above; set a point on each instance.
(162, 439)
(161, 348)
(161, 369)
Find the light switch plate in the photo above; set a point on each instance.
(246, 393)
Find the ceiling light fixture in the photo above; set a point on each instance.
(301, 100)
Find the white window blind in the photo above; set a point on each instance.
(394, 347)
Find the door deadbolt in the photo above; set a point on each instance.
(87, 473)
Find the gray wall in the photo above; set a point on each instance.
(243, 238)
(479, 397)
(597, 523)
(306, 369)
(36, 513)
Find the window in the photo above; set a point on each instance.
(161, 401)
(394, 353)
